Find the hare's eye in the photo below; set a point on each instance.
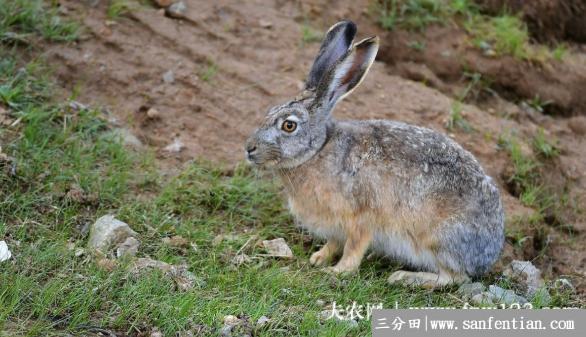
(289, 126)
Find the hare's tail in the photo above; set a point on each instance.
(471, 243)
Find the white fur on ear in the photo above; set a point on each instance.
(352, 70)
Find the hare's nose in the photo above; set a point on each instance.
(250, 149)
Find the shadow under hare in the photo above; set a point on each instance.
(403, 191)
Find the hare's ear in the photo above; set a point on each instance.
(347, 74)
(336, 42)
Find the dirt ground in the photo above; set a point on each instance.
(212, 75)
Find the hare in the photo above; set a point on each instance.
(403, 191)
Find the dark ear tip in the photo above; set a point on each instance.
(369, 41)
(347, 26)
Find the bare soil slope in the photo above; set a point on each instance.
(230, 60)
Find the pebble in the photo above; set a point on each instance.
(277, 248)
(469, 290)
(507, 297)
(153, 113)
(169, 77)
(5, 253)
(526, 276)
(175, 147)
(128, 248)
(265, 24)
(108, 231)
(262, 321)
(176, 10)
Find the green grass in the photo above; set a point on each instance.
(309, 35)
(209, 72)
(544, 147)
(506, 34)
(456, 119)
(538, 103)
(503, 34)
(527, 180)
(418, 14)
(47, 289)
(117, 8)
(21, 20)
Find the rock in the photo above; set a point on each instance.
(169, 77)
(326, 314)
(469, 290)
(263, 320)
(175, 147)
(106, 264)
(128, 248)
(176, 241)
(164, 3)
(266, 24)
(75, 193)
(79, 252)
(505, 296)
(277, 248)
(77, 106)
(241, 259)
(176, 10)
(156, 333)
(230, 322)
(5, 253)
(78, 195)
(147, 263)
(526, 276)
(7, 164)
(224, 237)
(153, 113)
(126, 137)
(564, 285)
(483, 298)
(184, 279)
(5, 118)
(108, 231)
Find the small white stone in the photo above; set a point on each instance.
(169, 77)
(175, 147)
(128, 248)
(5, 253)
(108, 231)
(278, 248)
(262, 321)
(176, 10)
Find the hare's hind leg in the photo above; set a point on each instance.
(426, 279)
(325, 254)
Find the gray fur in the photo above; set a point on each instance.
(371, 162)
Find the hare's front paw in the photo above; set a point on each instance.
(342, 268)
(325, 254)
(319, 258)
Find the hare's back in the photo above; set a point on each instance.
(410, 151)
